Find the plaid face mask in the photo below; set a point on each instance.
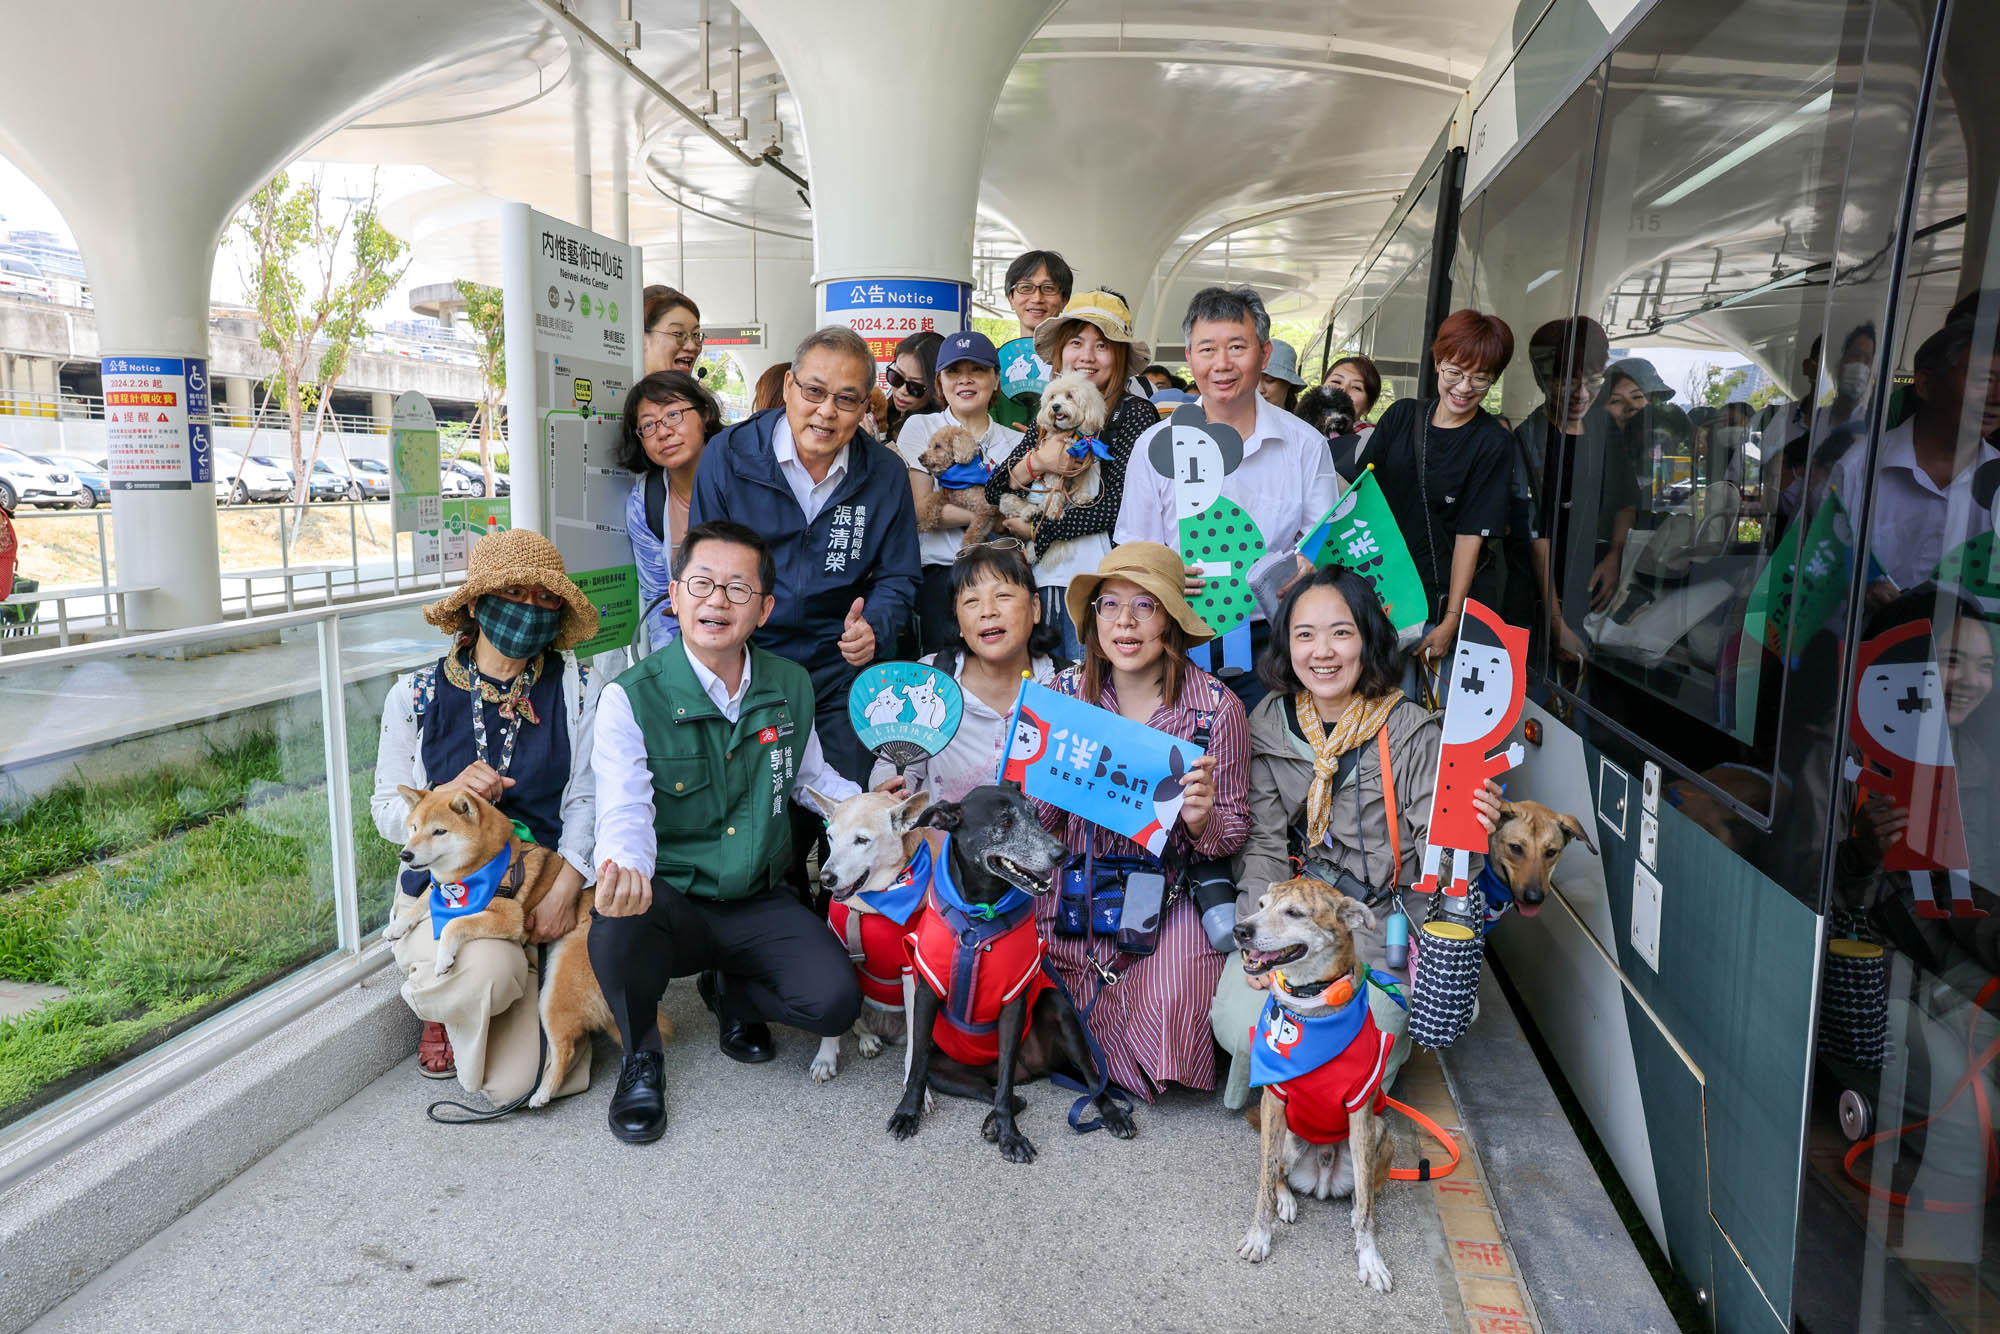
(517, 629)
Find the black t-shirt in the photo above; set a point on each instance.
(1558, 479)
(1441, 485)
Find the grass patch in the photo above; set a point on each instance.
(184, 923)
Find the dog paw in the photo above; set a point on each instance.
(1118, 1121)
(930, 1102)
(1016, 1147)
(870, 1044)
(1256, 1245)
(443, 965)
(1288, 1206)
(1373, 1271)
(397, 928)
(904, 1124)
(824, 1068)
(542, 1096)
(989, 1129)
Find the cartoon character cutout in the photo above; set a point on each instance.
(1028, 744)
(1196, 455)
(886, 707)
(1899, 725)
(1488, 687)
(926, 703)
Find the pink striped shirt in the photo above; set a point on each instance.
(1153, 1025)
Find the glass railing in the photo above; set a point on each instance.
(184, 823)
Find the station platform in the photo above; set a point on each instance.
(774, 1201)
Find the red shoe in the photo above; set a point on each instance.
(434, 1059)
(1928, 908)
(1966, 908)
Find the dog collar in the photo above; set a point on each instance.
(1012, 901)
(1342, 989)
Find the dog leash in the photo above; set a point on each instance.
(475, 1116)
(1975, 1067)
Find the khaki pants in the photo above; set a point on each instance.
(1237, 1004)
(487, 1006)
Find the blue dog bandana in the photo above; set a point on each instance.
(900, 900)
(1285, 1046)
(1010, 902)
(462, 898)
(1088, 444)
(964, 476)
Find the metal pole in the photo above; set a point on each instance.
(284, 562)
(103, 561)
(339, 790)
(353, 548)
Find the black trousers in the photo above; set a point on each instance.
(779, 962)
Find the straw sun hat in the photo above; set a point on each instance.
(1153, 567)
(1105, 312)
(518, 556)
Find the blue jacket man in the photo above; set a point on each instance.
(836, 509)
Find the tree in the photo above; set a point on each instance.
(310, 321)
(1712, 385)
(484, 313)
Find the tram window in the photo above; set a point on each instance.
(1529, 223)
(1716, 192)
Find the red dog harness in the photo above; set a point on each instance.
(976, 964)
(1331, 1085)
(875, 944)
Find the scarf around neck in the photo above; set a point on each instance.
(461, 671)
(1356, 726)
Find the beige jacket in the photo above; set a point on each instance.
(1281, 772)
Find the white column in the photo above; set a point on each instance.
(925, 73)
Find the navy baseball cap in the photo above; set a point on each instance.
(967, 346)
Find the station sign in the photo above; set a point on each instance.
(413, 465)
(885, 311)
(156, 423)
(732, 335)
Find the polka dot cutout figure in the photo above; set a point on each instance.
(1216, 536)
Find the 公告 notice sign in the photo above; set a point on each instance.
(156, 424)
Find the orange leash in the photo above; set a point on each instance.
(1970, 1079)
(1422, 1171)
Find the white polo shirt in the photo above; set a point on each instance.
(1286, 483)
(1914, 520)
(812, 496)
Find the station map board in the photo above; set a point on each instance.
(580, 358)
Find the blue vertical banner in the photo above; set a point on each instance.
(201, 450)
(885, 311)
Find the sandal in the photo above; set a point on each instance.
(434, 1059)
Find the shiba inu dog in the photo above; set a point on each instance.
(484, 882)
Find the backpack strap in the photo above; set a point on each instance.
(656, 502)
(1389, 801)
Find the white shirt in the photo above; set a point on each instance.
(973, 757)
(941, 546)
(1913, 521)
(625, 833)
(1285, 483)
(812, 496)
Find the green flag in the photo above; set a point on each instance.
(1796, 593)
(1360, 532)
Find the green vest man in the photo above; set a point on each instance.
(697, 752)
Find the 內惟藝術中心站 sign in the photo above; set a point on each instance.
(156, 423)
(885, 311)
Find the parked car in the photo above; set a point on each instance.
(452, 482)
(502, 486)
(25, 481)
(371, 477)
(95, 477)
(329, 481)
(20, 277)
(238, 480)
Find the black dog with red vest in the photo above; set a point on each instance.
(984, 993)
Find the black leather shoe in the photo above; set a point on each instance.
(639, 1104)
(748, 1042)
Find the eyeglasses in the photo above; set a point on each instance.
(540, 597)
(1452, 375)
(700, 586)
(819, 393)
(898, 380)
(1022, 291)
(1141, 607)
(694, 335)
(666, 421)
(992, 544)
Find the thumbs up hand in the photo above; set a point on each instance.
(857, 637)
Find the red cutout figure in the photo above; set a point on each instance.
(1488, 688)
(1899, 724)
